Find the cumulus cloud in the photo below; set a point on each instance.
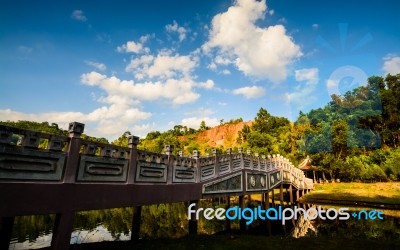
(179, 91)
(111, 120)
(194, 122)
(391, 64)
(252, 92)
(257, 51)
(78, 15)
(175, 28)
(302, 94)
(164, 65)
(99, 66)
(135, 47)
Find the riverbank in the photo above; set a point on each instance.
(379, 195)
(244, 242)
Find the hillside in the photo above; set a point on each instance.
(221, 136)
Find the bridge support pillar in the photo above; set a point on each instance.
(135, 230)
(227, 221)
(281, 194)
(273, 198)
(297, 195)
(242, 221)
(266, 195)
(62, 231)
(291, 194)
(6, 226)
(193, 220)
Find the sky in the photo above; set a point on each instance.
(142, 66)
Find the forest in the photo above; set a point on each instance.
(355, 137)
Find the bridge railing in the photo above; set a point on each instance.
(34, 156)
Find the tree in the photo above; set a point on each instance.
(203, 126)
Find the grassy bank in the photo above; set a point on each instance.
(244, 242)
(382, 193)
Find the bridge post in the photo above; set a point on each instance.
(214, 153)
(170, 170)
(291, 194)
(62, 230)
(227, 221)
(193, 220)
(273, 197)
(242, 221)
(75, 130)
(133, 141)
(229, 152)
(266, 208)
(281, 194)
(6, 228)
(136, 218)
(297, 195)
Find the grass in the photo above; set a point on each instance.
(225, 241)
(379, 193)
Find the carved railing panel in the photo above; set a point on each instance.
(224, 164)
(184, 170)
(256, 182)
(151, 167)
(207, 168)
(21, 159)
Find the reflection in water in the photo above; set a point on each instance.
(170, 221)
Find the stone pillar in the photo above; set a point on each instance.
(75, 130)
(193, 220)
(136, 218)
(273, 198)
(266, 208)
(227, 221)
(297, 195)
(242, 221)
(133, 141)
(62, 231)
(170, 170)
(6, 227)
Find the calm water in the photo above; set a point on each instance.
(170, 221)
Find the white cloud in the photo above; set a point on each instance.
(99, 66)
(175, 28)
(315, 26)
(78, 15)
(250, 92)
(391, 64)
(133, 47)
(310, 75)
(164, 65)
(209, 84)
(194, 122)
(302, 95)
(143, 129)
(110, 120)
(179, 91)
(260, 52)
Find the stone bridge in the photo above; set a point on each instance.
(74, 175)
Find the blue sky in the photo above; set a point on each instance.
(149, 65)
